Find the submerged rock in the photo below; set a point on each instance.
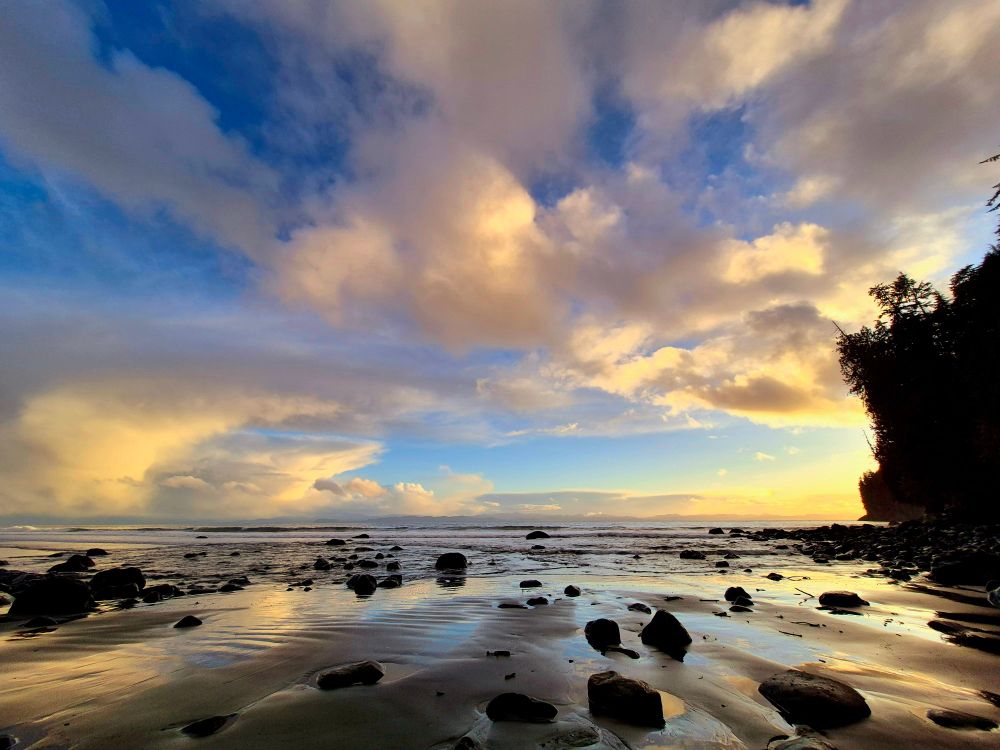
(572, 590)
(841, 599)
(602, 633)
(631, 701)
(359, 673)
(393, 566)
(817, 701)
(960, 720)
(188, 621)
(451, 561)
(519, 707)
(666, 633)
(52, 595)
(775, 576)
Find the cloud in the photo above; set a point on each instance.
(761, 456)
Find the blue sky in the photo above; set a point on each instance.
(343, 259)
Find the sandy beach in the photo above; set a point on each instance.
(128, 678)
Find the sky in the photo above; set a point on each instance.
(335, 260)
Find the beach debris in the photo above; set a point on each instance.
(960, 720)
(359, 673)
(451, 561)
(841, 599)
(188, 621)
(530, 583)
(537, 535)
(631, 701)
(572, 590)
(804, 739)
(640, 607)
(602, 633)
(692, 554)
(519, 707)
(666, 633)
(362, 584)
(74, 564)
(52, 595)
(207, 727)
(735, 592)
(817, 701)
(537, 601)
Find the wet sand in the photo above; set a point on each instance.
(129, 679)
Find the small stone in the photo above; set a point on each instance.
(335, 542)
(511, 605)
(519, 707)
(572, 590)
(841, 599)
(806, 739)
(537, 601)
(188, 621)
(691, 554)
(531, 583)
(721, 564)
(322, 564)
(620, 650)
(775, 576)
(96, 552)
(640, 607)
(716, 531)
(960, 720)
(817, 701)
(359, 673)
(631, 701)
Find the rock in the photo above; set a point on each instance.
(391, 582)
(206, 727)
(40, 622)
(395, 548)
(361, 536)
(775, 576)
(188, 621)
(531, 583)
(640, 607)
(537, 535)
(817, 701)
(735, 592)
(4, 601)
(731, 556)
(537, 546)
(393, 566)
(362, 584)
(602, 633)
(7, 741)
(201, 536)
(322, 564)
(97, 552)
(692, 554)
(740, 608)
(572, 590)
(335, 542)
(975, 568)
(537, 601)
(52, 595)
(511, 605)
(359, 673)
(716, 531)
(806, 739)
(74, 564)
(743, 601)
(125, 591)
(666, 633)
(841, 599)
(367, 564)
(451, 561)
(518, 707)
(721, 564)
(228, 588)
(118, 577)
(4, 563)
(959, 720)
(631, 701)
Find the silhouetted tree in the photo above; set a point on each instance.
(927, 373)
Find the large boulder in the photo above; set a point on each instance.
(113, 577)
(451, 561)
(813, 700)
(52, 595)
(359, 673)
(518, 707)
(631, 701)
(666, 633)
(602, 633)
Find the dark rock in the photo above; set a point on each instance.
(716, 531)
(4, 601)
(395, 548)
(572, 590)
(362, 584)
(74, 564)
(731, 556)
(335, 542)
(775, 576)
(537, 535)
(379, 556)
(721, 564)
(359, 673)
(537, 546)
(692, 554)
(201, 536)
(511, 605)
(125, 591)
(740, 608)
(619, 650)
(228, 588)
(531, 583)
(97, 552)
(393, 566)
(206, 727)
(975, 568)
(361, 536)
(666, 633)
(602, 633)
(735, 592)
(367, 564)
(743, 601)
(959, 720)
(112, 577)
(187, 621)
(7, 741)
(518, 707)
(40, 622)
(640, 607)
(52, 595)
(817, 701)
(391, 582)
(841, 599)
(806, 739)
(234, 554)
(537, 601)
(451, 561)
(322, 564)
(364, 549)
(631, 701)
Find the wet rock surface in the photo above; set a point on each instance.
(666, 633)
(631, 701)
(358, 673)
(960, 720)
(814, 700)
(519, 707)
(52, 595)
